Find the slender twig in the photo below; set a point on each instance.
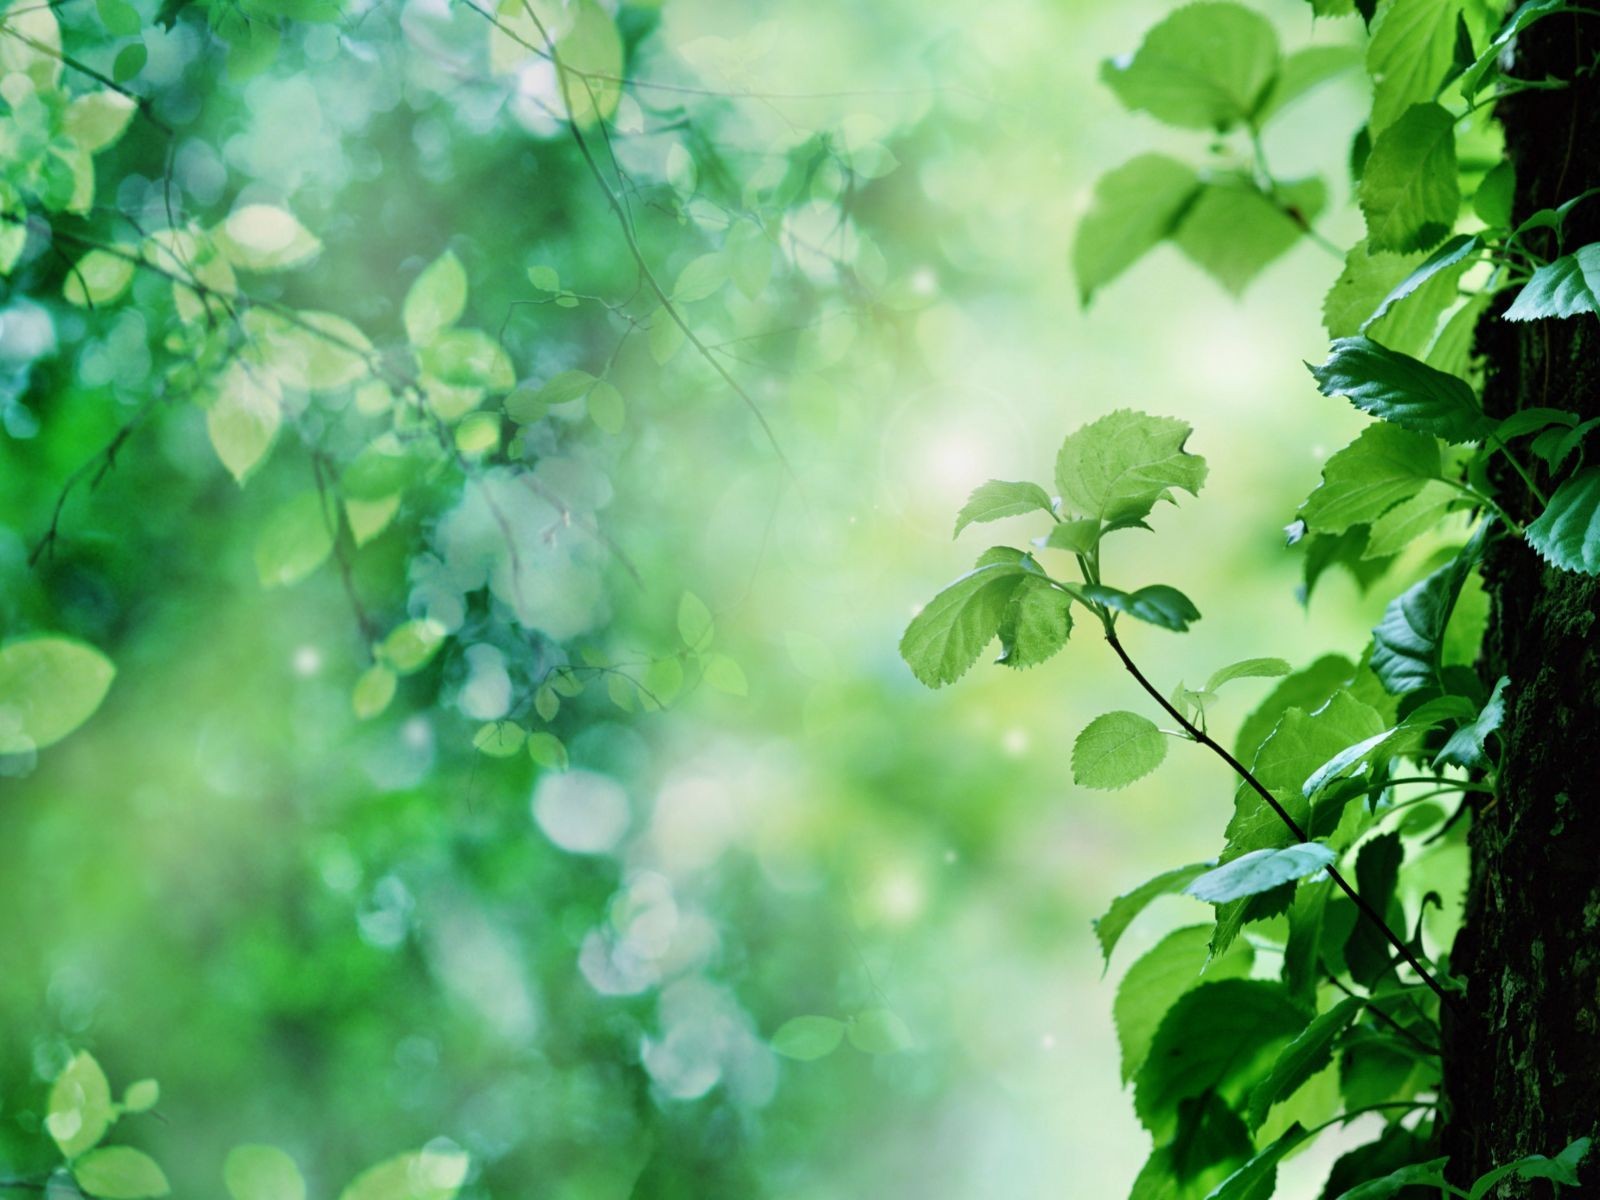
(1206, 740)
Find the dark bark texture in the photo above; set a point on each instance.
(1522, 1056)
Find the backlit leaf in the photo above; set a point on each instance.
(943, 640)
(1205, 66)
(1118, 467)
(119, 1173)
(996, 499)
(1115, 749)
(1134, 207)
(807, 1038)
(1409, 191)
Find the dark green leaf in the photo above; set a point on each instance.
(1466, 745)
(1408, 640)
(1158, 604)
(1301, 1059)
(1402, 390)
(1564, 288)
(1260, 871)
(1175, 965)
(1257, 1178)
(1429, 1173)
(1563, 1169)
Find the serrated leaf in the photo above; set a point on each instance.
(119, 1173)
(1411, 50)
(1410, 519)
(1213, 1038)
(258, 1172)
(1115, 749)
(1247, 668)
(943, 640)
(1233, 230)
(808, 1038)
(1466, 745)
(1402, 390)
(436, 298)
(1302, 1058)
(1205, 66)
(1383, 466)
(1409, 190)
(1135, 206)
(1113, 923)
(80, 1098)
(419, 1175)
(1564, 288)
(1036, 623)
(1118, 467)
(49, 686)
(1452, 254)
(1260, 871)
(1175, 965)
(998, 498)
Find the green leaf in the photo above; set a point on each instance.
(1487, 64)
(1422, 1174)
(264, 237)
(99, 277)
(807, 1038)
(1452, 254)
(49, 686)
(997, 498)
(695, 624)
(129, 62)
(1213, 1038)
(411, 646)
(1563, 1169)
(1036, 623)
(1409, 191)
(1402, 390)
(1158, 604)
(1304, 71)
(1302, 1058)
(420, 1175)
(1135, 206)
(1308, 689)
(1118, 467)
(467, 358)
(435, 299)
(1371, 281)
(1408, 640)
(726, 675)
(1075, 537)
(1260, 871)
(1206, 66)
(1175, 965)
(1383, 466)
(591, 53)
(546, 750)
(1255, 1180)
(119, 1173)
(879, 1031)
(499, 739)
(96, 120)
(1564, 288)
(141, 1096)
(80, 1099)
(243, 418)
(606, 407)
(1115, 749)
(1466, 745)
(1411, 50)
(1247, 668)
(946, 637)
(1113, 923)
(373, 690)
(1234, 230)
(296, 539)
(254, 1172)
(1410, 519)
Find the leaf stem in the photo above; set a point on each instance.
(1205, 739)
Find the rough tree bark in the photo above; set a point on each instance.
(1522, 1057)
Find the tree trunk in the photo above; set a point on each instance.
(1522, 1057)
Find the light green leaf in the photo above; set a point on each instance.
(411, 646)
(119, 1173)
(1115, 749)
(1247, 668)
(1303, 72)
(96, 120)
(946, 637)
(420, 1175)
(606, 407)
(436, 298)
(996, 499)
(725, 674)
(296, 539)
(1118, 467)
(1411, 50)
(467, 358)
(1205, 66)
(1383, 466)
(99, 277)
(1367, 283)
(591, 55)
(1234, 230)
(547, 750)
(316, 351)
(34, 45)
(1211, 1039)
(1409, 191)
(1567, 533)
(1410, 519)
(1260, 871)
(1402, 390)
(141, 1096)
(695, 624)
(254, 1172)
(80, 1099)
(807, 1038)
(264, 237)
(373, 690)
(1564, 288)
(879, 1031)
(701, 277)
(1449, 259)
(1134, 207)
(1175, 965)
(1307, 689)
(1110, 926)
(1035, 624)
(499, 739)
(243, 418)
(1075, 537)
(1302, 1058)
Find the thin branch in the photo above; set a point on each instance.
(1205, 739)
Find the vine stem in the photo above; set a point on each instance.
(1205, 739)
